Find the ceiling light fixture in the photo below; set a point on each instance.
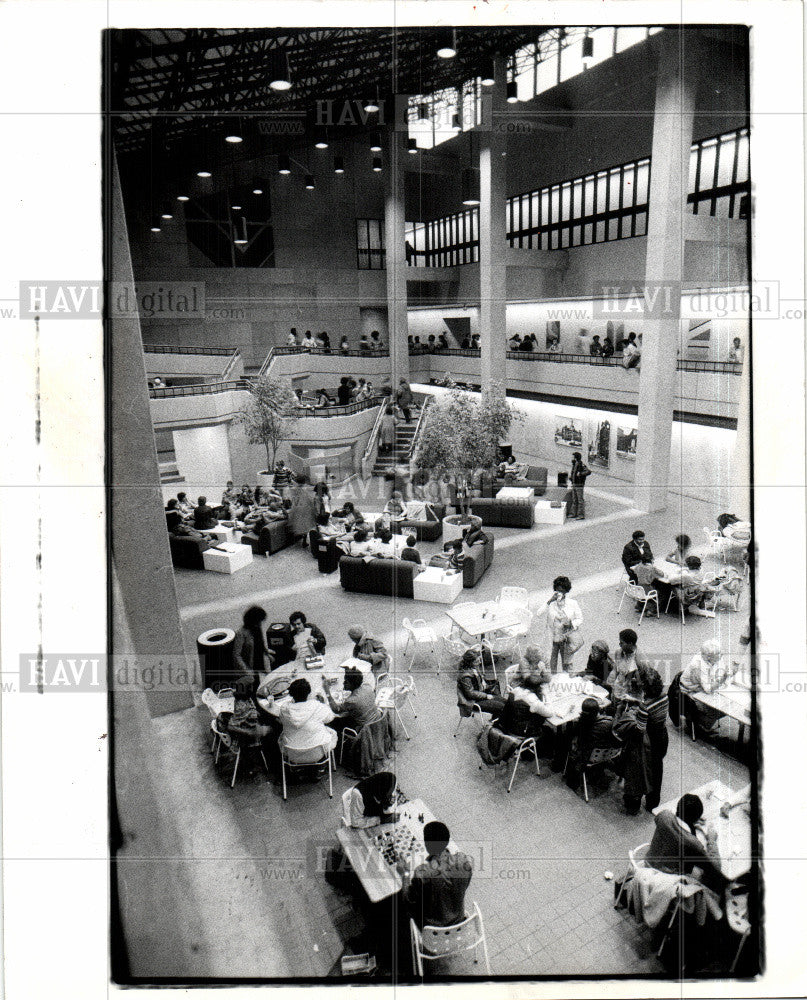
(166, 215)
(512, 92)
(588, 49)
(470, 186)
(412, 146)
(373, 104)
(487, 78)
(257, 190)
(375, 143)
(309, 182)
(377, 164)
(156, 229)
(182, 197)
(321, 141)
(241, 238)
(447, 44)
(233, 138)
(283, 164)
(203, 173)
(235, 208)
(279, 76)
(338, 165)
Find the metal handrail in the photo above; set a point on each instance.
(211, 388)
(683, 364)
(334, 352)
(164, 349)
(370, 452)
(418, 427)
(230, 364)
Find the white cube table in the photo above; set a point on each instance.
(545, 513)
(227, 558)
(222, 533)
(515, 493)
(436, 585)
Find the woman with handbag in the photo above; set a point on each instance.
(564, 619)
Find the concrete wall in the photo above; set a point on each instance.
(203, 451)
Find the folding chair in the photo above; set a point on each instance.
(434, 943)
(636, 592)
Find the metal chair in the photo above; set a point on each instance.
(509, 675)
(678, 593)
(527, 745)
(636, 859)
(454, 650)
(235, 743)
(467, 710)
(287, 761)
(600, 757)
(393, 694)
(418, 633)
(354, 735)
(434, 943)
(623, 579)
(516, 597)
(211, 700)
(636, 592)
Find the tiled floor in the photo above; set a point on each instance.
(542, 890)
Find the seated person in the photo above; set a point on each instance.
(259, 517)
(371, 802)
(308, 639)
(410, 553)
(371, 650)
(636, 551)
(348, 514)
(594, 731)
(184, 506)
(361, 543)
(525, 709)
(453, 558)
(246, 496)
(326, 528)
(204, 516)
(514, 343)
(683, 543)
(707, 671)
(475, 536)
(510, 470)
(382, 547)
(229, 499)
(694, 590)
(359, 707)
(436, 894)
(245, 719)
(395, 506)
(474, 687)
(599, 664)
(304, 724)
(681, 845)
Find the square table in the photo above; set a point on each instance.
(479, 619)
(733, 831)
(379, 877)
(227, 558)
(732, 701)
(437, 585)
(545, 513)
(515, 493)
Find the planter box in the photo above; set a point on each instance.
(453, 528)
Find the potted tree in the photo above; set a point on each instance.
(461, 433)
(268, 418)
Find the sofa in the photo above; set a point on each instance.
(270, 539)
(186, 551)
(477, 560)
(390, 577)
(536, 478)
(424, 531)
(506, 513)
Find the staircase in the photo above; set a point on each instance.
(404, 433)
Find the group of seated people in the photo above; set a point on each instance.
(438, 343)
(700, 593)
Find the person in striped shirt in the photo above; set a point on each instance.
(653, 715)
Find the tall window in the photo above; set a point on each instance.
(441, 107)
(607, 205)
(444, 242)
(718, 176)
(370, 244)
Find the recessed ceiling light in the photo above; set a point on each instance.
(166, 215)
(203, 173)
(233, 138)
(182, 197)
(235, 208)
(156, 229)
(257, 190)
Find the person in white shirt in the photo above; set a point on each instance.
(304, 724)
(631, 353)
(371, 802)
(707, 671)
(291, 339)
(309, 344)
(360, 545)
(382, 547)
(563, 619)
(736, 353)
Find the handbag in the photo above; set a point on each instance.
(573, 641)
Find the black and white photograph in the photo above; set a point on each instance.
(394, 674)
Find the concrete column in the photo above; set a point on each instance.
(139, 540)
(493, 234)
(676, 90)
(395, 243)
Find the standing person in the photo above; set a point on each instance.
(386, 436)
(564, 619)
(344, 346)
(736, 352)
(404, 399)
(375, 341)
(579, 473)
(303, 511)
(323, 495)
(608, 347)
(326, 341)
(291, 339)
(282, 477)
(627, 661)
(631, 352)
(436, 895)
(595, 347)
(251, 655)
(653, 716)
(308, 344)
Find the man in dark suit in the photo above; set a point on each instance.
(436, 895)
(636, 551)
(204, 516)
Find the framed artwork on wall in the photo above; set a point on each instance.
(569, 432)
(599, 444)
(626, 442)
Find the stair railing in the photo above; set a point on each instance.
(371, 451)
(418, 430)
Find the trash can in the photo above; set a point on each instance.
(215, 649)
(563, 479)
(505, 450)
(327, 554)
(279, 641)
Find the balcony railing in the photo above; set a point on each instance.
(164, 349)
(683, 365)
(211, 388)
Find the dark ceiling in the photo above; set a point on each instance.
(166, 86)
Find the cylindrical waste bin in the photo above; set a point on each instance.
(327, 554)
(563, 479)
(279, 641)
(215, 649)
(505, 450)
